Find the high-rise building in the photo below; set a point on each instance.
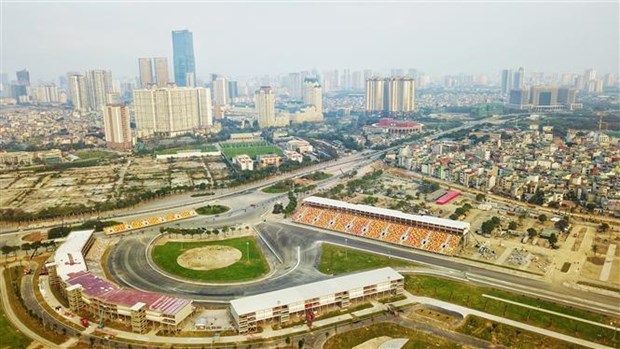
(294, 86)
(162, 77)
(345, 82)
(367, 75)
(220, 91)
(375, 94)
(506, 81)
(519, 97)
(397, 72)
(357, 80)
(23, 77)
(45, 94)
(567, 96)
(183, 56)
(313, 94)
(265, 105)
(78, 92)
(519, 79)
(145, 66)
(590, 74)
(233, 91)
(390, 95)
(99, 84)
(117, 127)
(170, 111)
(544, 95)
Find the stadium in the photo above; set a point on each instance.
(426, 233)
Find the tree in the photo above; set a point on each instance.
(531, 232)
(512, 225)
(542, 218)
(603, 227)
(562, 224)
(594, 248)
(480, 197)
(553, 239)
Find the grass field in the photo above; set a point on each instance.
(471, 296)
(165, 256)
(92, 154)
(358, 336)
(509, 336)
(202, 148)
(277, 188)
(338, 260)
(252, 149)
(11, 337)
(212, 209)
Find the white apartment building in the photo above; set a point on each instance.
(117, 127)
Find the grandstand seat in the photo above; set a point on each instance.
(358, 225)
(375, 228)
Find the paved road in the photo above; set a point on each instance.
(131, 268)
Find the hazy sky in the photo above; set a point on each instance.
(50, 39)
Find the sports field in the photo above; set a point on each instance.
(207, 148)
(248, 267)
(252, 149)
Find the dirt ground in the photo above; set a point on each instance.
(209, 257)
(37, 236)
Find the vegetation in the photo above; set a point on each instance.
(11, 337)
(461, 211)
(97, 224)
(248, 267)
(58, 232)
(489, 226)
(339, 260)
(358, 336)
(509, 336)
(212, 209)
(480, 197)
(292, 204)
(428, 187)
(472, 296)
(317, 176)
(252, 149)
(279, 187)
(202, 148)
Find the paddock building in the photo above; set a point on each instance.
(278, 306)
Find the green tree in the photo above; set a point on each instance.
(553, 239)
(603, 227)
(512, 225)
(531, 232)
(480, 197)
(542, 218)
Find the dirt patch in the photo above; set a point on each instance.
(597, 260)
(32, 237)
(209, 257)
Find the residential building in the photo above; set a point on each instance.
(265, 105)
(391, 95)
(313, 94)
(294, 86)
(145, 66)
(507, 83)
(544, 95)
(518, 81)
(220, 91)
(23, 77)
(267, 160)
(162, 76)
(293, 156)
(183, 57)
(233, 91)
(116, 121)
(244, 162)
(99, 84)
(170, 111)
(78, 92)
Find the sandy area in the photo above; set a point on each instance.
(209, 257)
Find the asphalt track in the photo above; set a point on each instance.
(129, 266)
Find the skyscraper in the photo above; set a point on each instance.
(23, 77)
(544, 95)
(162, 77)
(233, 91)
(294, 86)
(146, 72)
(78, 92)
(567, 95)
(117, 128)
(313, 94)
(183, 56)
(220, 91)
(265, 105)
(99, 84)
(171, 111)
(519, 79)
(390, 95)
(506, 81)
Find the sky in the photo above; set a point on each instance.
(254, 38)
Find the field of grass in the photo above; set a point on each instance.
(212, 209)
(202, 148)
(339, 260)
(252, 149)
(92, 154)
(278, 188)
(358, 336)
(509, 336)
(165, 256)
(11, 337)
(471, 296)
(317, 176)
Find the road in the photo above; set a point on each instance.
(184, 200)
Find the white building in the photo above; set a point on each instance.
(313, 94)
(99, 84)
(220, 91)
(293, 156)
(300, 146)
(265, 104)
(78, 92)
(278, 306)
(117, 127)
(170, 111)
(244, 161)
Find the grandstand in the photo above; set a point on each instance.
(427, 233)
(148, 222)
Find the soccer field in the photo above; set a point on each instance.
(252, 149)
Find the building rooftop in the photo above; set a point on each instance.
(312, 290)
(68, 256)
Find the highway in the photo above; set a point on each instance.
(185, 200)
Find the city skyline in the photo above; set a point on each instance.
(295, 46)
